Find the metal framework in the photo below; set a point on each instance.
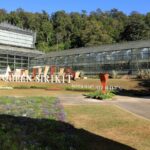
(123, 58)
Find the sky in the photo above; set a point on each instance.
(127, 6)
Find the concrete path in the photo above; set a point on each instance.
(76, 99)
(138, 106)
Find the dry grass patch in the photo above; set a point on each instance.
(33, 92)
(32, 84)
(123, 83)
(111, 122)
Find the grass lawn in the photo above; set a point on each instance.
(39, 123)
(111, 122)
(123, 83)
(34, 92)
(31, 123)
(47, 89)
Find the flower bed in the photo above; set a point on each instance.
(32, 123)
(33, 107)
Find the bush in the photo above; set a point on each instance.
(80, 88)
(38, 87)
(21, 87)
(100, 95)
(29, 87)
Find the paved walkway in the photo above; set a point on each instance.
(139, 106)
(76, 99)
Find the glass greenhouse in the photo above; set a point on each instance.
(123, 58)
(17, 49)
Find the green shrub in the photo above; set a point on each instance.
(100, 95)
(21, 87)
(29, 87)
(38, 87)
(78, 88)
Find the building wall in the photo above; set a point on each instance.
(13, 61)
(16, 47)
(16, 57)
(15, 36)
(16, 39)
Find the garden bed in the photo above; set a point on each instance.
(32, 123)
(100, 95)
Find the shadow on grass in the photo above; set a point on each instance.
(145, 83)
(145, 91)
(27, 133)
(133, 93)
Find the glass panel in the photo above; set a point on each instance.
(144, 53)
(127, 55)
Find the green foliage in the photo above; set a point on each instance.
(29, 87)
(135, 31)
(61, 30)
(43, 46)
(100, 95)
(21, 87)
(80, 89)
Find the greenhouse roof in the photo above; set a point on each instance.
(102, 48)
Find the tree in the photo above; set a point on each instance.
(135, 30)
(3, 15)
(62, 30)
(62, 26)
(94, 34)
(147, 19)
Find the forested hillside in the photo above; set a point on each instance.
(62, 30)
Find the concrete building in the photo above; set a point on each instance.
(17, 47)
